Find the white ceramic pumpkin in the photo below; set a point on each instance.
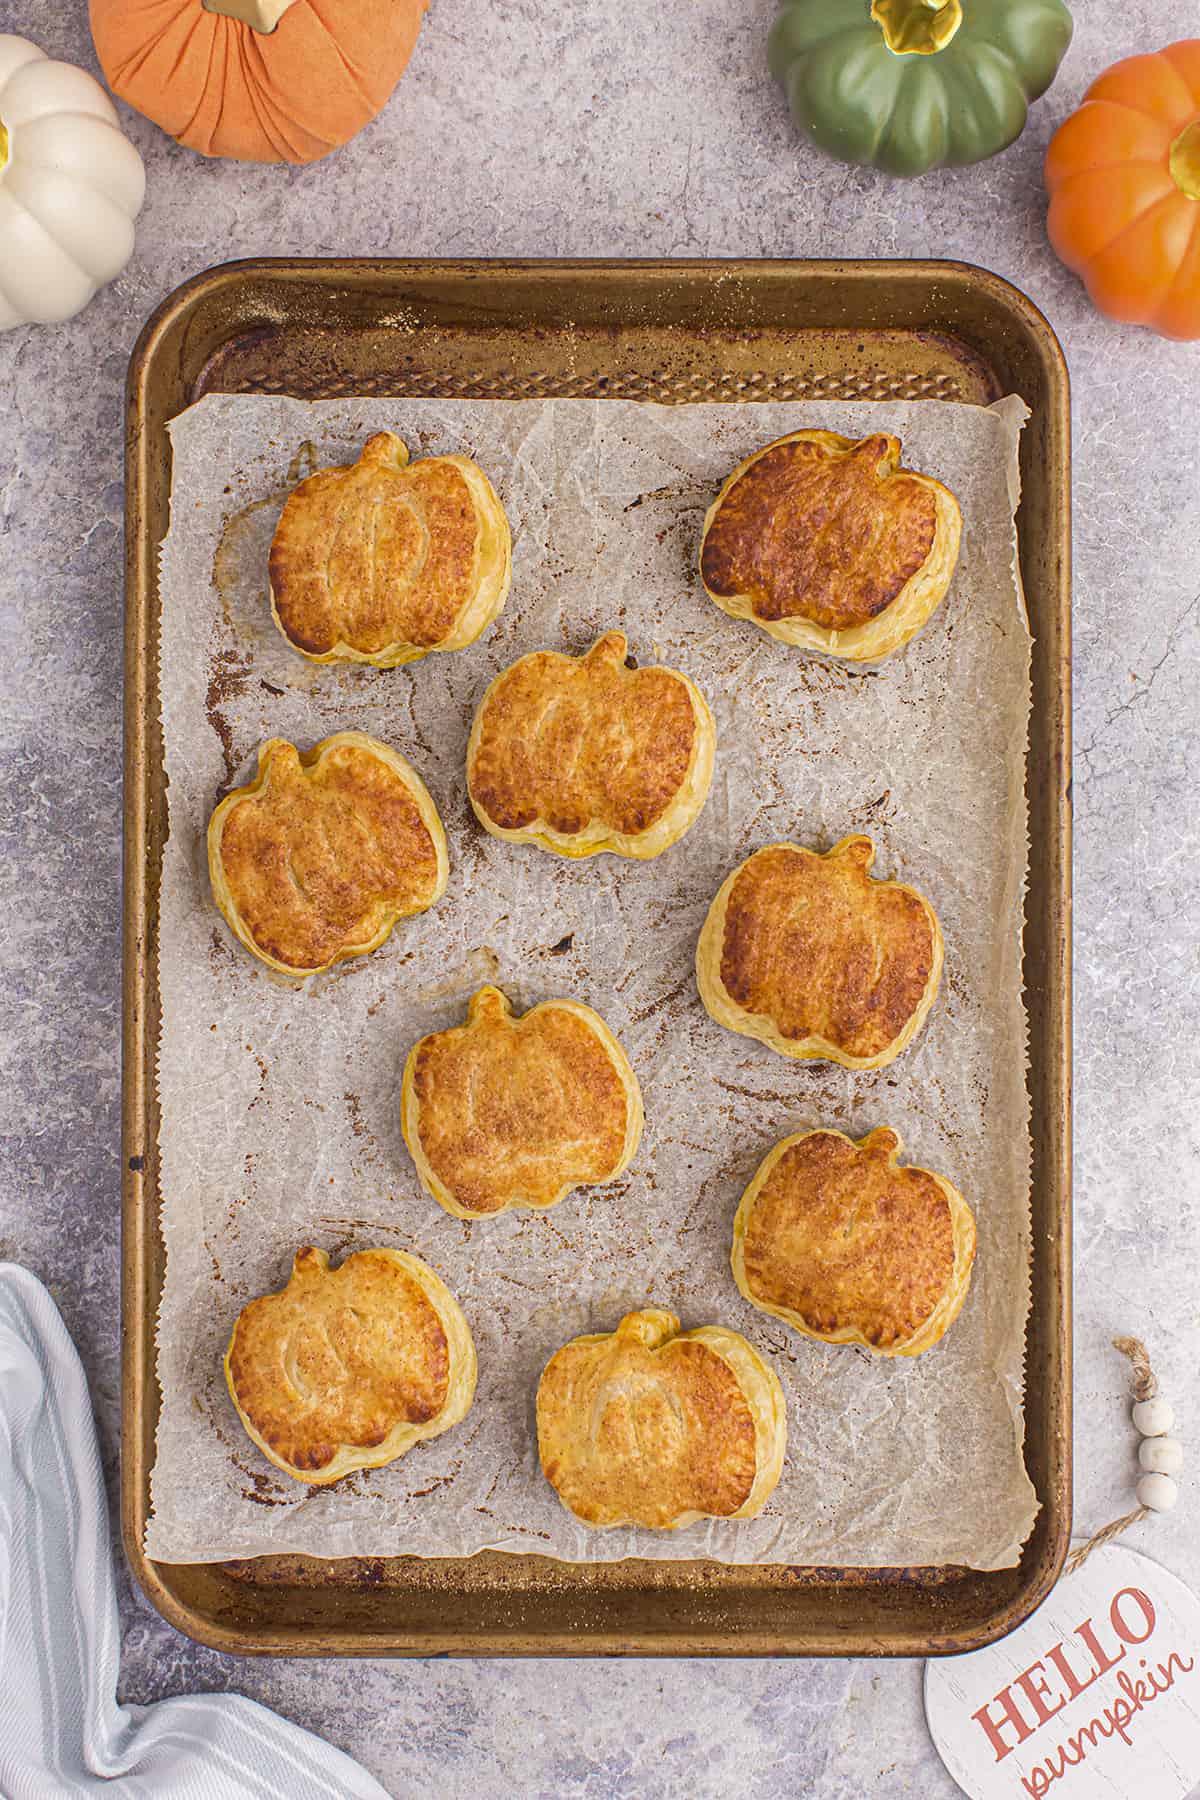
(71, 185)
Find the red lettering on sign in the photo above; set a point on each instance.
(1087, 1631)
(1036, 1688)
(1010, 1715)
(1117, 1615)
(1075, 1687)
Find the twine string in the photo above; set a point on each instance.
(1078, 1557)
(1145, 1387)
(1145, 1381)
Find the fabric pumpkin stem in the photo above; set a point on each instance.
(261, 15)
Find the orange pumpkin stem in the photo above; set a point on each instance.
(1185, 160)
(260, 15)
(917, 27)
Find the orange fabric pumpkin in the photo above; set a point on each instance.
(225, 88)
(1123, 175)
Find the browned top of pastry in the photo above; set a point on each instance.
(845, 1238)
(325, 849)
(376, 552)
(572, 741)
(512, 1109)
(809, 531)
(338, 1358)
(627, 1430)
(824, 951)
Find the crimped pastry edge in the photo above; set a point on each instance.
(760, 1386)
(410, 1109)
(493, 571)
(596, 838)
(310, 759)
(902, 619)
(724, 1010)
(954, 1295)
(460, 1387)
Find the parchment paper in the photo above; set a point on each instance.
(280, 1115)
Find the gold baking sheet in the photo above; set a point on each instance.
(742, 331)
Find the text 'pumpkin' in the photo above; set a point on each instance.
(258, 80)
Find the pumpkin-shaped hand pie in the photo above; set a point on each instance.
(911, 84)
(382, 561)
(348, 1368)
(830, 545)
(260, 80)
(648, 1425)
(1124, 180)
(506, 1111)
(583, 754)
(813, 957)
(848, 1246)
(318, 857)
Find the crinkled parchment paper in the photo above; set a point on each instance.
(280, 1104)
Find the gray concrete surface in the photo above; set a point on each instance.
(550, 129)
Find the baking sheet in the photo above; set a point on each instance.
(280, 1105)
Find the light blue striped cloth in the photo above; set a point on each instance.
(61, 1730)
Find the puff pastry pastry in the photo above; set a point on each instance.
(829, 544)
(318, 857)
(648, 1425)
(506, 1111)
(848, 1246)
(383, 560)
(348, 1368)
(583, 754)
(813, 957)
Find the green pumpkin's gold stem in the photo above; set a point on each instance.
(3, 146)
(917, 27)
(1185, 160)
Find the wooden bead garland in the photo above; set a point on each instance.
(1153, 1417)
(1159, 1454)
(1157, 1493)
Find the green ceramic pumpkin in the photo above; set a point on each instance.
(911, 84)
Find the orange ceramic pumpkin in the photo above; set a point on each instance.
(1124, 180)
(261, 80)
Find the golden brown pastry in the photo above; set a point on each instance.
(812, 956)
(506, 1111)
(348, 1368)
(319, 856)
(383, 560)
(648, 1425)
(831, 545)
(582, 754)
(848, 1246)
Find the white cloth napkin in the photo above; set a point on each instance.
(61, 1730)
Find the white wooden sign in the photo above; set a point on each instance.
(1097, 1697)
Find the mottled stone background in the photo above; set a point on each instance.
(534, 128)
